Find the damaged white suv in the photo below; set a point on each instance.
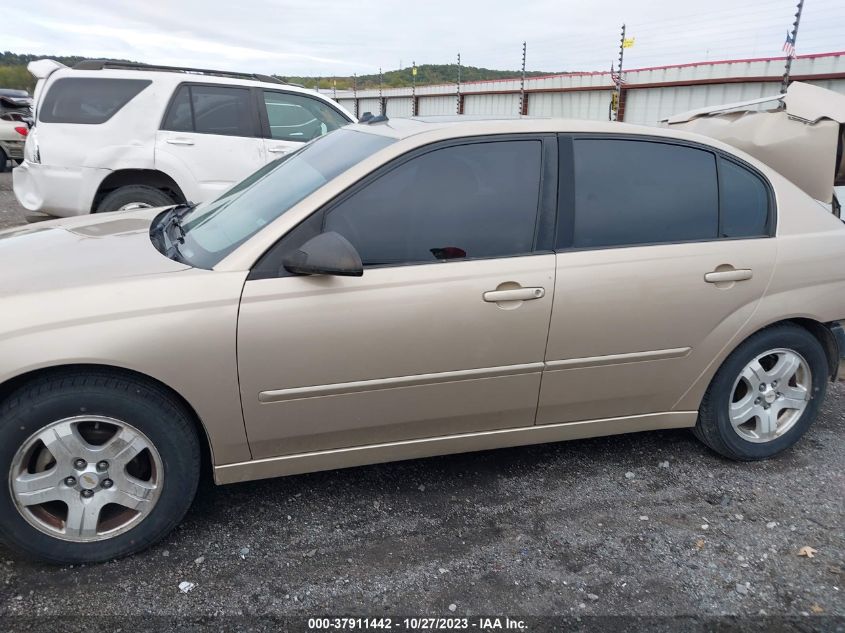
(112, 136)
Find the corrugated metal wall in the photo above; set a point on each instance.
(437, 105)
(369, 105)
(349, 104)
(650, 105)
(650, 93)
(592, 104)
(504, 104)
(400, 107)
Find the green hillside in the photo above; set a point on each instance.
(426, 74)
(13, 74)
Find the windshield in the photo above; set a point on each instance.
(214, 229)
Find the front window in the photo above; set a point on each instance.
(298, 118)
(464, 202)
(214, 229)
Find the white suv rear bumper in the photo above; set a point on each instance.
(58, 191)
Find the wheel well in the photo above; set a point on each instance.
(825, 338)
(149, 177)
(10, 386)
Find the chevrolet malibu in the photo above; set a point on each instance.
(402, 289)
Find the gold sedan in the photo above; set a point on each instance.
(401, 289)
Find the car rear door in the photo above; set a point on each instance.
(664, 251)
(209, 139)
(443, 334)
(289, 119)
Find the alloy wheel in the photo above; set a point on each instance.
(86, 478)
(770, 395)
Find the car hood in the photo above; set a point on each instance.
(84, 251)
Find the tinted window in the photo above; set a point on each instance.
(219, 110)
(476, 200)
(179, 117)
(744, 201)
(296, 118)
(211, 110)
(89, 100)
(638, 192)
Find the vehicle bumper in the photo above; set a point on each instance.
(13, 149)
(58, 191)
(839, 334)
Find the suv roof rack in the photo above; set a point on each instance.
(100, 64)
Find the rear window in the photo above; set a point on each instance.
(744, 200)
(88, 100)
(631, 192)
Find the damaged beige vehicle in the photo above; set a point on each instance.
(401, 289)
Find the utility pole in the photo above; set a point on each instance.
(522, 104)
(413, 88)
(355, 92)
(334, 88)
(784, 84)
(619, 80)
(458, 84)
(380, 98)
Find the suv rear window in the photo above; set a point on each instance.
(88, 100)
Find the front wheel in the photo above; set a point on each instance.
(766, 394)
(4, 160)
(98, 466)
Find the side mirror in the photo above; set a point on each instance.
(326, 254)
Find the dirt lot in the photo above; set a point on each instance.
(641, 525)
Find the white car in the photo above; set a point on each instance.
(114, 136)
(12, 137)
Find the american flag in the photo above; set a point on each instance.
(789, 45)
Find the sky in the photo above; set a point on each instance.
(332, 38)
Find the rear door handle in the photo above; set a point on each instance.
(517, 294)
(722, 276)
(180, 141)
(280, 150)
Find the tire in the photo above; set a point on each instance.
(731, 395)
(140, 195)
(160, 424)
(4, 160)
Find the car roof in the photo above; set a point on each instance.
(172, 76)
(463, 125)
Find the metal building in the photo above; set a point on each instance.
(648, 95)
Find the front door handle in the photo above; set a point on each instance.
(180, 141)
(729, 275)
(517, 294)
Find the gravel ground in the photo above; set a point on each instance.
(651, 524)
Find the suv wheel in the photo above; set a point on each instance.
(97, 466)
(766, 394)
(4, 160)
(134, 197)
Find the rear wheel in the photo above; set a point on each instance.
(766, 394)
(98, 466)
(134, 197)
(4, 160)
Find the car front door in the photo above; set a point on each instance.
(289, 119)
(445, 331)
(210, 137)
(664, 251)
